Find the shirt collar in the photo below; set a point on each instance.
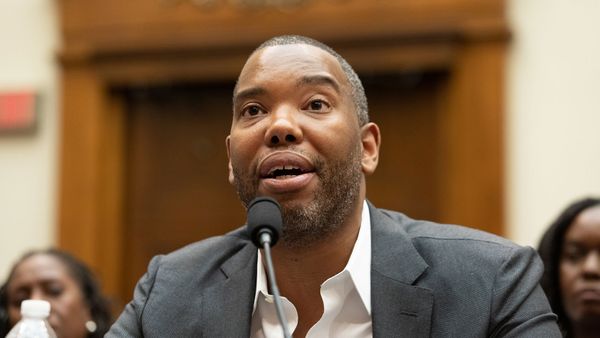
(358, 266)
(261, 280)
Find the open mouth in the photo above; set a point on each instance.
(284, 172)
(284, 163)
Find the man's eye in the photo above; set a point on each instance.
(318, 105)
(252, 111)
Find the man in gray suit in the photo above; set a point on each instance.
(301, 134)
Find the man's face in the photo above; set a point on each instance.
(295, 137)
(580, 268)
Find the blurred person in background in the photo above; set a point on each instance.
(78, 308)
(570, 249)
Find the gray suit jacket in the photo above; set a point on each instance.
(427, 280)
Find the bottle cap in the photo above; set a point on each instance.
(35, 308)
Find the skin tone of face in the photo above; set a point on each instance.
(293, 109)
(580, 273)
(45, 277)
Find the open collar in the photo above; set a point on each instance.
(400, 308)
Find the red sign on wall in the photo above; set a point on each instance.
(17, 111)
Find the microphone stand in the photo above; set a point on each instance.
(265, 239)
(264, 226)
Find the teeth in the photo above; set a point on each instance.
(272, 171)
(283, 171)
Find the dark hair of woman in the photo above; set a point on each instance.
(85, 279)
(550, 250)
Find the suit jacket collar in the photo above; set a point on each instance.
(399, 308)
(227, 305)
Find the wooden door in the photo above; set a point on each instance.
(176, 172)
(406, 108)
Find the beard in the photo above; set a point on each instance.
(305, 224)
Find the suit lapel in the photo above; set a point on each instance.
(399, 308)
(227, 305)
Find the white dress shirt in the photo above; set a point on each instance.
(346, 297)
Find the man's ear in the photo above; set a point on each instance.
(371, 140)
(229, 167)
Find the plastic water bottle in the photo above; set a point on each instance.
(34, 321)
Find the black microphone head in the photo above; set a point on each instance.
(264, 215)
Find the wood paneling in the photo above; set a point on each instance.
(91, 175)
(406, 107)
(177, 184)
(96, 27)
(472, 139)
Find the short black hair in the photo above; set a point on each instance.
(85, 279)
(358, 92)
(550, 249)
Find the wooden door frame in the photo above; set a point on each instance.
(467, 40)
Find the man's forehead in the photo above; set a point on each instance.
(302, 58)
(294, 49)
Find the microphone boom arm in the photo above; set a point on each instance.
(265, 239)
(264, 226)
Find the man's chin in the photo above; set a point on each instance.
(291, 202)
(296, 205)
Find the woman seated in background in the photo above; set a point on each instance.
(570, 249)
(78, 309)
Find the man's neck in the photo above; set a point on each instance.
(316, 263)
(301, 271)
(321, 260)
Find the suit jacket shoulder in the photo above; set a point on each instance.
(453, 281)
(204, 258)
(192, 291)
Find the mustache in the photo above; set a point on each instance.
(317, 161)
(246, 181)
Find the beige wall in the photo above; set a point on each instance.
(28, 39)
(553, 130)
(553, 142)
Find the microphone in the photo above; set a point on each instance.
(264, 226)
(264, 221)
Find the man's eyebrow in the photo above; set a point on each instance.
(305, 80)
(318, 80)
(247, 93)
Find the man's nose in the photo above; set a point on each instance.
(284, 128)
(591, 265)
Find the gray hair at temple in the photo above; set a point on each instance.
(358, 92)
